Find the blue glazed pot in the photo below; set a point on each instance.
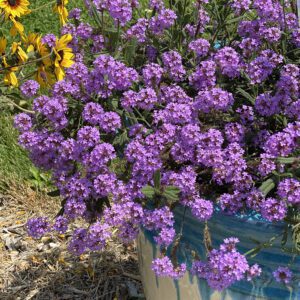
(251, 230)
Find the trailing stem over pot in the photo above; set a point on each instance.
(191, 103)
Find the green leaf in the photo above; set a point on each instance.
(121, 139)
(246, 95)
(96, 16)
(287, 160)
(234, 20)
(255, 251)
(171, 193)
(157, 179)
(130, 51)
(35, 173)
(148, 191)
(267, 186)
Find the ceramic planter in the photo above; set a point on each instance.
(251, 230)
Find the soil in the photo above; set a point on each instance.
(44, 269)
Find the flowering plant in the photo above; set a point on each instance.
(30, 55)
(194, 104)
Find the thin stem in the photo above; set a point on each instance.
(27, 63)
(42, 6)
(141, 116)
(19, 107)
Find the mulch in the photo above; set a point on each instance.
(44, 269)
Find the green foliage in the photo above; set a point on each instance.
(267, 186)
(171, 193)
(148, 191)
(39, 180)
(14, 162)
(42, 19)
(168, 194)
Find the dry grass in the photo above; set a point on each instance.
(44, 269)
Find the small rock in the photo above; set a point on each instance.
(42, 247)
(53, 245)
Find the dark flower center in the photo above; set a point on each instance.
(282, 275)
(61, 54)
(59, 2)
(12, 2)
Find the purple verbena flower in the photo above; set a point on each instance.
(38, 227)
(30, 88)
(273, 209)
(283, 274)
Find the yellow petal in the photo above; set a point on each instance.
(23, 56)
(67, 63)
(60, 74)
(11, 79)
(30, 48)
(3, 44)
(14, 47)
(65, 39)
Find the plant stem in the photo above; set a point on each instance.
(142, 117)
(42, 6)
(19, 107)
(27, 63)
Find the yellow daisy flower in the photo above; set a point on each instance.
(60, 8)
(43, 52)
(14, 8)
(63, 56)
(30, 42)
(44, 74)
(10, 77)
(17, 49)
(16, 28)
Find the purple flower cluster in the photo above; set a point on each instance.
(23, 122)
(110, 74)
(273, 209)
(160, 220)
(168, 116)
(119, 10)
(30, 88)
(152, 74)
(228, 61)
(162, 21)
(145, 99)
(163, 267)
(138, 30)
(200, 47)
(214, 99)
(204, 76)
(49, 40)
(38, 227)
(289, 189)
(240, 5)
(224, 266)
(172, 61)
